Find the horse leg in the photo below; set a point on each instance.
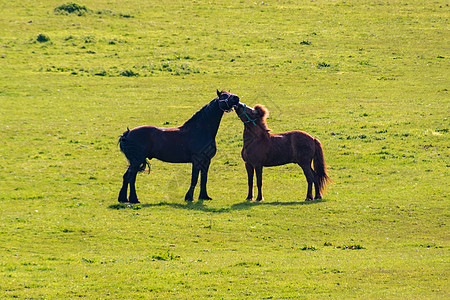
(250, 173)
(132, 179)
(194, 179)
(203, 180)
(309, 174)
(259, 170)
(317, 189)
(124, 190)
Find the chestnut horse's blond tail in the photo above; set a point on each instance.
(320, 168)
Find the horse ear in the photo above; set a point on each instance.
(218, 93)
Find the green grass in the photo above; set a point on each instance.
(368, 78)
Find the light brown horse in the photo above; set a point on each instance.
(264, 149)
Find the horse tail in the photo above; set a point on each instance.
(133, 152)
(320, 168)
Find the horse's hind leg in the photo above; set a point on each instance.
(132, 179)
(124, 190)
(317, 189)
(309, 174)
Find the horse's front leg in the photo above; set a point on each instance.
(194, 179)
(259, 170)
(250, 173)
(203, 180)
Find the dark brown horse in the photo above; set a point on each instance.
(193, 142)
(264, 149)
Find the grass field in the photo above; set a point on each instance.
(369, 79)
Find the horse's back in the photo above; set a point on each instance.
(295, 138)
(165, 144)
(291, 147)
(144, 131)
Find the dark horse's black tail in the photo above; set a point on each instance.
(133, 152)
(320, 167)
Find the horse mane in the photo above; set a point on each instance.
(263, 113)
(199, 114)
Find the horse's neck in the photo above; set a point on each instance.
(213, 116)
(254, 133)
(212, 121)
(209, 120)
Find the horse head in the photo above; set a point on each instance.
(257, 115)
(227, 100)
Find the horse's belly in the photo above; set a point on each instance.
(276, 160)
(168, 145)
(173, 159)
(274, 163)
(176, 153)
(268, 155)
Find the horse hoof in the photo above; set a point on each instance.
(249, 199)
(205, 198)
(308, 199)
(134, 200)
(260, 199)
(123, 200)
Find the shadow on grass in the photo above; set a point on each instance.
(200, 206)
(249, 204)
